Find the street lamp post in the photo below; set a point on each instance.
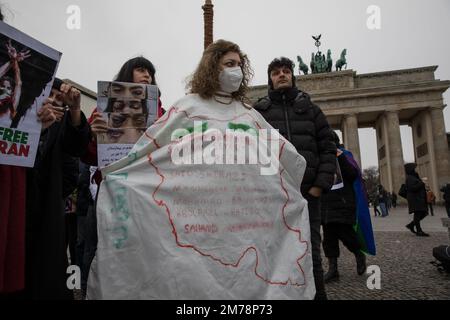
(208, 16)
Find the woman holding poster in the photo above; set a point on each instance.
(12, 219)
(137, 70)
(17, 94)
(32, 200)
(49, 183)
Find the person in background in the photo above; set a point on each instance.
(49, 183)
(338, 208)
(417, 199)
(394, 200)
(446, 191)
(431, 198)
(382, 201)
(388, 201)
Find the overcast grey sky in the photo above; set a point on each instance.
(413, 33)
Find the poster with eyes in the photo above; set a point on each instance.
(27, 71)
(128, 109)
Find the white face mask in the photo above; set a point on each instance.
(231, 79)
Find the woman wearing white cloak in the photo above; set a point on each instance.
(181, 218)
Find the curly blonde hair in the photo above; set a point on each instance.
(205, 80)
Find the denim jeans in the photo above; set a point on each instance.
(383, 209)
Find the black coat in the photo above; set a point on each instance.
(416, 193)
(339, 206)
(306, 127)
(70, 174)
(84, 198)
(446, 190)
(46, 252)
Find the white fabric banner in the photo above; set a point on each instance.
(169, 230)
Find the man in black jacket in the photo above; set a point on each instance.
(338, 217)
(300, 121)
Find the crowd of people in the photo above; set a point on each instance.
(37, 223)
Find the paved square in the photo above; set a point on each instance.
(404, 260)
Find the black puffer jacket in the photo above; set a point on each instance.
(416, 193)
(306, 127)
(339, 206)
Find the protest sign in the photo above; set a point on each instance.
(128, 109)
(27, 69)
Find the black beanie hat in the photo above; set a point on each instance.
(278, 63)
(336, 139)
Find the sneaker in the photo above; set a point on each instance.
(422, 234)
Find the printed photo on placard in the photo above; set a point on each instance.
(27, 70)
(128, 109)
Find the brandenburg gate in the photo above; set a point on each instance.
(385, 101)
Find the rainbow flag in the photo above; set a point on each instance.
(363, 225)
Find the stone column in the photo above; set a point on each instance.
(424, 148)
(441, 151)
(350, 135)
(384, 159)
(394, 145)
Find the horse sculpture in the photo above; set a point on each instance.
(342, 61)
(302, 66)
(329, 61)
(312, 64)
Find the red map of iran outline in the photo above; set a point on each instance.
(224, 217)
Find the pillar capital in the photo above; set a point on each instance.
(391, 112)
(350, 115)
(437, 107)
